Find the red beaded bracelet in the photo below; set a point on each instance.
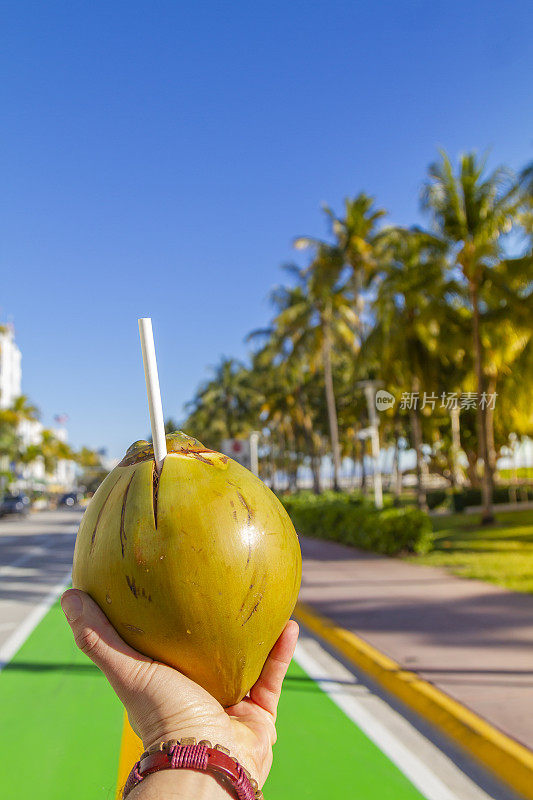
(186, 754)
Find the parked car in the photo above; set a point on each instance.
(14, 504)
(69, 499)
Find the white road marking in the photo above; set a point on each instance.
(19, 572)
(406, 747)
(31, 552)
(15, 642)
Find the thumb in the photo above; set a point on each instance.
(96, 637)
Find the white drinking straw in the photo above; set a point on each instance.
(153, 391)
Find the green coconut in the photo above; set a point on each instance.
(198, 567)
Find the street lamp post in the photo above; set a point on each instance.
(254, 452)
(370, 394)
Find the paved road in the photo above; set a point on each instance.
(470, 638)
(35, 559)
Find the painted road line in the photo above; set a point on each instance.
(50, 686)
(430, 770)
(320, 753)
(508, 760)
(131, 749)
(425, 766)
(30, 553)
(17, 639)
(52, 694)
(33, 563)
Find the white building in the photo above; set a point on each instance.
(31, 476)
(10, 370)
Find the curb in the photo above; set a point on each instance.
(508, 760)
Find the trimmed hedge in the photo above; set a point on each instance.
(435, 498)
(471, 496)
(354, 521)
(501, 494)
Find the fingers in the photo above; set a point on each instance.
(267, 689)
(97, 638)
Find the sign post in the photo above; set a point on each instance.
(370, 394)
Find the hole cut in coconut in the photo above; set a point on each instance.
(156, 477)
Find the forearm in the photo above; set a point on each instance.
(180, 784)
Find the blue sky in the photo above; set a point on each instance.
(157, 158)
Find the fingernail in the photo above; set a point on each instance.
(72, 606)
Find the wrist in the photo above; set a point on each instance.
(202, 757)
(181, 784)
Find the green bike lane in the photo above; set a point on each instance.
(61, 724)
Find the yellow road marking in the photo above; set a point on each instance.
(510, 761)
(131, 749)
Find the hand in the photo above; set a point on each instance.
(163, 704)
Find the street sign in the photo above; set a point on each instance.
(238, 449)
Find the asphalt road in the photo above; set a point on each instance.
(35, 562)
(51, 680)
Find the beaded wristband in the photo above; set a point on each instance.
(186, 754)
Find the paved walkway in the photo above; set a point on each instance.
(471, 639)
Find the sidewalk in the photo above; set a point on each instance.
(472, 640)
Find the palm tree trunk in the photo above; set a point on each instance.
(353, 481)
(397, 472)
(471, 470)
(357, 287)
(491, 389)
(487, 515)
(416, 428)
(362, 449)
(315, 468)
(315, 460)
(332, 410)
(455, 423)
(273, 465)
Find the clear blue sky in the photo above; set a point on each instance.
(157, 159)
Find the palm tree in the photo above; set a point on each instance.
(171, 425)
(289, 407)
(313, 318)
(526, 180)
(472, 211)
(53, 450)
(409, 315)
(86, 457)
(11, 443)
(226, 406)
(506, 318)
(21, 409)
(356, 234)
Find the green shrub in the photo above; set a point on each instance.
(355, 521)
(458, 501)
(435, 498)
(501, 494)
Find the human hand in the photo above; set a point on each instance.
(163, 704)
